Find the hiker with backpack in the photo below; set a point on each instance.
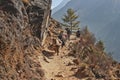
(68, 33)
(60, 36)
(78, 33)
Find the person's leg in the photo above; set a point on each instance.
(68, 36)
(57, 50)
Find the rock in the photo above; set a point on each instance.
(117, 72)
(76, 61)
(46, 59)
(73, 69)
(70, 63)
(84, 72)
(59, 75)
(22, 27)
(48, 53)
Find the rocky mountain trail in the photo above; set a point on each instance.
(31, 50)
(59, 67)
(69, 65)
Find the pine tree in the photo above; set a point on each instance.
(70, 19)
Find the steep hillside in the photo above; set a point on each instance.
(81, 58)
(102, 18)
(31, 50)
(22, 25)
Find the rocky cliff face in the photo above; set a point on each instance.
(22, 26)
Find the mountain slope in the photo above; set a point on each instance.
(22, 25)
(31, 50)
(62, 4)
(79, 59)
(102, 18)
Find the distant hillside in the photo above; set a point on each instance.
(102, 18)
(62, 4)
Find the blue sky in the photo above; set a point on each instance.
(55, 3)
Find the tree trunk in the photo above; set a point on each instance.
(71, 27)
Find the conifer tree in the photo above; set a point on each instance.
(70, 19)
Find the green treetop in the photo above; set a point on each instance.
(70, 19)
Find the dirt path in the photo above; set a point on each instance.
(57, 68)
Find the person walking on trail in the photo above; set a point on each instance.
(60, 36)
(78, 33)
(68, 33)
